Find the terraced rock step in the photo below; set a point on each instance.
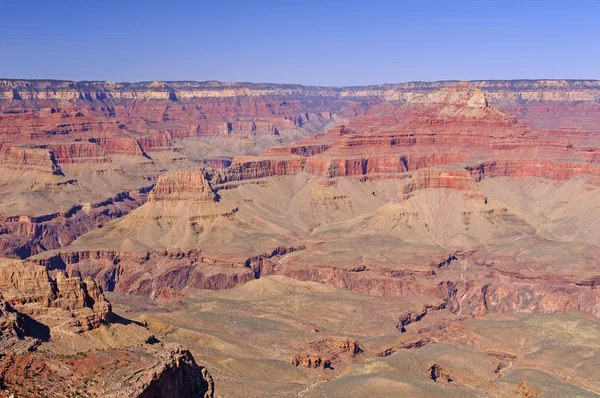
(420, 239)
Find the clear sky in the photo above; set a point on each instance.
(307, 42)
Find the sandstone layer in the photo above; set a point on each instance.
(306, 241)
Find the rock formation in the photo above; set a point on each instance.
(13, 330)
(28, 159)
(145, 371)
(176, 375)
(183, 186)
(418, 214)
(36, 310)
(71, 304)
(311, 361)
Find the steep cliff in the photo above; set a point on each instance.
(69, 304)
(59, 337)
(183, 186)
(14, 330)
(411, 217)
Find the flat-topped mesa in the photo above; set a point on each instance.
(460, 179)
(28, 159)
(183, 185)
(250, 167)
(72, 304)
(460, 102)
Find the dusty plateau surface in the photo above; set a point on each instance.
(182, 239)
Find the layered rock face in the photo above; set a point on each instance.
(109, 141)
(433, 149)
(78, 152)
(79, 110)
(456, 124)
(71, 304)
(447, 139)
(13, 330)
(42, 320)
(23, 235)
(183, 186)
(432, 178)
(28, 159)
(247, 168)
(462, 196)
(138, 131)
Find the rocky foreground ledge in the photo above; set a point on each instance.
(59, 337)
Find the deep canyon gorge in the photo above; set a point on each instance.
(175, 239)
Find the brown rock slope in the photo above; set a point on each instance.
(385, 215)
(453, 212)
(99, 146)
(147, 371)
(275, 334)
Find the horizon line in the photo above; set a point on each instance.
(51, 80)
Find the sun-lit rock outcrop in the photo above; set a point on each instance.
(183, 186)
(71, 304)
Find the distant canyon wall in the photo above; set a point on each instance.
(500, 90)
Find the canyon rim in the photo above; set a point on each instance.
(245, 239)
(171, 227)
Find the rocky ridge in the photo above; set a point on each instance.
(422, 162)
(69, 304)
(464, 194)
(36, 311)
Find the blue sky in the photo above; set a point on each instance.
(307, 42)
